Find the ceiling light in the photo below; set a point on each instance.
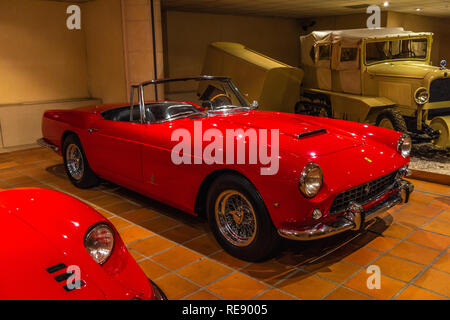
(418, 9)
(386, 3)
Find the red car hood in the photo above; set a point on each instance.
(330, 141)
(26, 255)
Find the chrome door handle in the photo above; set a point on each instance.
(90, 130)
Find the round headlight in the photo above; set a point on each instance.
(404, 145)
(311, 179)
(99, 242)
(421, 96)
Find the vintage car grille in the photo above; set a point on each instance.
(441, 112)
(362, 194)
(440, 90)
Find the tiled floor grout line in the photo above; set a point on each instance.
(405, 239)
(417, 276)
(186, 297)
(432, 193)
(274, 286)
(398, 243)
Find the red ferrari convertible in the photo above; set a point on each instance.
(256, 175)
(57, 248)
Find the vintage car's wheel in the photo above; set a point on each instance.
(392, 119)
(76, 164)
(239, 219)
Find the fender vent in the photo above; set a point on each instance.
(63, 276)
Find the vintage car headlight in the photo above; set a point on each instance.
(99, 242)
(421, 96)
(404, 145)
(311, 179)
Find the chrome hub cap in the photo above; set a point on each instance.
(235, 218)
(75, 163)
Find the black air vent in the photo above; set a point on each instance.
(56, 268)
(311, 133)
(63, 276)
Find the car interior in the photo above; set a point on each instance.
(158, 111)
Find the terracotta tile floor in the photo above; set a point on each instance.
(410, 244)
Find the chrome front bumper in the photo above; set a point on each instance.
(354, 218)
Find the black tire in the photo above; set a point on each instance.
(265, 240)
(396, 119)
(88, 178)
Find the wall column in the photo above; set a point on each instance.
(143, 45)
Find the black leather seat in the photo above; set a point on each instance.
(122, 114)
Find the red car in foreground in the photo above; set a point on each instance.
(55, 247)
(315, 177)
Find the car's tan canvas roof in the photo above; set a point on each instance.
(366, 33)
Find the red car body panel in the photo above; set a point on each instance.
(138, 156)
(43, 228)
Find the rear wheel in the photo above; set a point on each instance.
(392, 119)
(239, 219)
(76, 164)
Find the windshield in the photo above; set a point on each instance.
(396, 50)
(179, 98)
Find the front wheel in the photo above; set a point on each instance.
(392, 119)
(76, 164)
(239, 219)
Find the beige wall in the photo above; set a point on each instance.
(188, 34)
(102, 26)
(138, 44)
(349, 21)
(44, 65)
(40, 59)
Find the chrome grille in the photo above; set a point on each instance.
(362, 194)
(440, 90)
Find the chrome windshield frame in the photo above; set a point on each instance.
(140, 89)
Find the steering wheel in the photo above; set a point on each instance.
(220, 100)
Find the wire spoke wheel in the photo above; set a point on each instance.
(74, 161)
(235, 218)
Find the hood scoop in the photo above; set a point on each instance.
(311, 133)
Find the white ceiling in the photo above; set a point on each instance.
(307, 8)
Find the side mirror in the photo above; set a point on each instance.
(255, 104)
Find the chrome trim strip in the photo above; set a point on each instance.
(44, 143)
(354, 217)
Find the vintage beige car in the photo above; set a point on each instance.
(380, 76)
